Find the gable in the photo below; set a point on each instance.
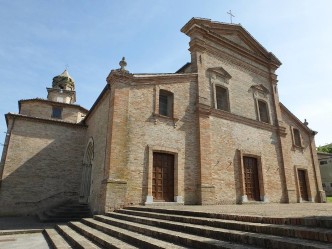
(236, 38)
(233, 36)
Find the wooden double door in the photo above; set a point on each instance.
(163, 177)
(251, 179)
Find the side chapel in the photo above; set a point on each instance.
(214, 132)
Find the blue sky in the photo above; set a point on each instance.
(39, 38)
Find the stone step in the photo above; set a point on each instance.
(323, 222)
(131, 237)
(75, 239)
(254, 239)
(103, 239)
(52, 219)
(55, 240)
(67, 214)
(323, 235)
(176, 237)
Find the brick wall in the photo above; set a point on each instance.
(44, 110)
(42, 166)
(98, 123)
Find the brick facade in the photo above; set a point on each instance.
(127, 125)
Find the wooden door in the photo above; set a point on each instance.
(163, 177)
(303, 185)
(251, 178)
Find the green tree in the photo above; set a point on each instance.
(325, 148)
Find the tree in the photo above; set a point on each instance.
(325, 148)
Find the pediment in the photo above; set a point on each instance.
(259, 88)
(218, 74)
(232, 36)
(240, 39)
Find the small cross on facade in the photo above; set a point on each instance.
(230, 15)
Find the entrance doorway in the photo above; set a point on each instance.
(303, 185)
(163, 177)
(251, 179)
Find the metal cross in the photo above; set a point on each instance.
(67, 66)
(230, 15)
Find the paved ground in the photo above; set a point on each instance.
(268, 210)
(22, 233)
(11, 228)
(23, 241)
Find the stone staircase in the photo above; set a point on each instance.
(142, 227)
(68, 211)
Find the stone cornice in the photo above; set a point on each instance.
(44, 120)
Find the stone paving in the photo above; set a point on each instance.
(23, 241)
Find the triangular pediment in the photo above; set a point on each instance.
(233, 36)
(239, 38)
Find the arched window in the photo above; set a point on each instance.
(166, 103)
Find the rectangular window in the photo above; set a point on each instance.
(222, 98)
(322, 162)
(263, 111)
(56, 112)
(166, 103)
(297, 137)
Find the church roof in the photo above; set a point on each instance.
(66, 74)
(299, 122)
(51, 102)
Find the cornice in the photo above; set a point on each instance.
(199, 27)
(237, 62)
(206, 111)
(162, 78)
(44, 120)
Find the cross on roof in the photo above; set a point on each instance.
(230, 15)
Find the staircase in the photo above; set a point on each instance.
(69, 211)
(141, 227)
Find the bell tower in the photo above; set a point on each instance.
(63, 89)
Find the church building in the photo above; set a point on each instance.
(214, 132)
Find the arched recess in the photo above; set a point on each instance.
(86, 172)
